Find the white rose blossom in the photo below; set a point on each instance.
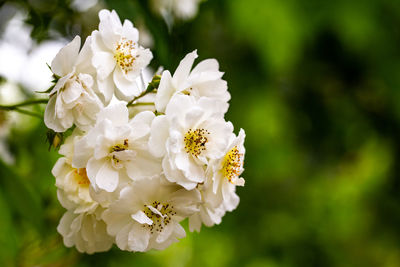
(225, 171)
(86, 231)
(148, 213)
(211, 208)
(117, 57)
(205, 80)
(191, 133)
(72, 100)
(116, 147)
(218, 192)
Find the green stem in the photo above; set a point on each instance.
(152, 87)
(141, 104)
(22, 104)
(30, 113)
(130, 103)
(16, 107)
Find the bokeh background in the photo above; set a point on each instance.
(316, 86)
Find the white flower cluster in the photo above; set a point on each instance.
(130, 178)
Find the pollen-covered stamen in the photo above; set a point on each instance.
(187, 91)
(123, 54)
(120, 152)
(161, 215)
(195, 141)
(120, 147)
(232, 164)
(81, 177)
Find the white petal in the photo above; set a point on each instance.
(141, 124)
(138, 239)
(165, 233)
(179, 105)
(164, 92)
(50, 116)
(64, 227)
(92, 169)
(115, 221)
(183, 70)
(179, 231)
(194, 223)
(104, 62)
(207, 65)
(193, 117)
(110, 28)
(116, 112)
(141, 218)
(158, 136)
(155, 211)
(106, 88)
(83, 62)
(121, 238)
(107, 178)
(176, 176)
(143, 166)
(65, 59)
(72, 92)
(126, 89)
(130, 32)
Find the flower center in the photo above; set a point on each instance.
(232, 164)
(195, 141)
(120, 152)
(160, 214)
(81, 177)
(123, 54)
(119, 147)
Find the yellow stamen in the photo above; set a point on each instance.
(123, 54)
(119, 147)
(232, 164)
(195, 141)
(81, 177)
(159, 222)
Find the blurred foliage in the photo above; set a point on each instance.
(315, 84)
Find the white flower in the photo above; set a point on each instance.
(118, 57)
(81, 225)
(116, 147)
(203, 80)
(73, 187)
(225, 171)
(211, 209)
(72, 100)
(184, 9)
(148, 213)
(86, 231)
(191, 133)
(218, 192)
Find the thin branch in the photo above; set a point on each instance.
(141, 104)
(27, 112)
(130, 103)
(152, 87)
(25, 103)
(16, 107)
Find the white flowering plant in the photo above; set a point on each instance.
(143, 154)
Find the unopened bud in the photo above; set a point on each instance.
(55, 139)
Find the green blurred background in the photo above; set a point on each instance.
(316, 86)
